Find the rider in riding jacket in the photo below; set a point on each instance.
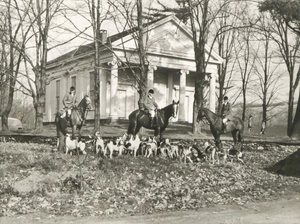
(226, 113)
(151, 105)
(69, 101)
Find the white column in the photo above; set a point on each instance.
(212, 92)
(182, 88)
(150, 76)
(170, 88)
(113, 114)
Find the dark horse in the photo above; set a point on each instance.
(78, 114)
(140, 118)
(235, 126)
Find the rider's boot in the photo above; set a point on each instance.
(67, 119)
(151, 122)
(224, 127)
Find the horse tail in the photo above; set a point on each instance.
(240, 139)
(61, 124)
(56, 119)
(132, 123)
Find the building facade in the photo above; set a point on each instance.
(171, 72)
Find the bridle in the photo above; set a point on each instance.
(83, 108)
(174, 110)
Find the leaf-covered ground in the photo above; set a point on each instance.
(33, 178)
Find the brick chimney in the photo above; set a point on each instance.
(103, 36)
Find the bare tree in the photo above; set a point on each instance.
(226, 26)
(40, 25)
(245, 62)
(135, 25)
(266, 70)
(96, 20)
(11, 50)
(287, 42)
(202, 14)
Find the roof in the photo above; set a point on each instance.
(124, 36)
(91, 46)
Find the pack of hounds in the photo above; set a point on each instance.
(149, 147)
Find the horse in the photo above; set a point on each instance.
(235, 126)
(78, 114)
(140, 118)
(61, 131)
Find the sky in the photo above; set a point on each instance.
(83, 22)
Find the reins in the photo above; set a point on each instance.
(208, 118)
(80, 109)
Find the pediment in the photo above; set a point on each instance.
(167, 37)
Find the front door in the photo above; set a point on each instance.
(121, 103)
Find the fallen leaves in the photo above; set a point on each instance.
(126, 185)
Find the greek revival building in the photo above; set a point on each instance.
(171, 72)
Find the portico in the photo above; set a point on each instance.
(171, 73)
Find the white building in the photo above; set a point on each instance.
(172, 70)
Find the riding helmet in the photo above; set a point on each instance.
(151, 91)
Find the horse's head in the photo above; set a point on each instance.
(87, 102)
(175, 106)
(201, 115)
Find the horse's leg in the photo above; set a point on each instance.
(73, 131)
(161, 133)
(61, 141)
(213, 156)
(137, 129)
(217, 141)
(234, 133)
(220, 147)
(79, 134)
(241, 141)
(131, 128)
(240, 137)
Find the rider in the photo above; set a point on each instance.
(151, 105)
(69, 101)
(226, 112)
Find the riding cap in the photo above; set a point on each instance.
(225, 98)
(72, 88)
(151, 91)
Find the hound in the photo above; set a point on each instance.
(117, 146)
(72, 145)
(99, 143)
(211, 153)
(151, 147)
(185, 153)
(133, 144)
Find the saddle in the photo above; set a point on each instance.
(152, 120)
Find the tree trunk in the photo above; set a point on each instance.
(199, 85)
(244, 104)
(142, 85)
(39, 109)
(290, 111)
(295, 128)
(4, 119)
(97, 81)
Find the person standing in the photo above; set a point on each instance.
(263, 127)
(151, 105)
(226, 113)
(69, 101)
(249, 123)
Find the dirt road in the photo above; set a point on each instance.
(280, 211)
